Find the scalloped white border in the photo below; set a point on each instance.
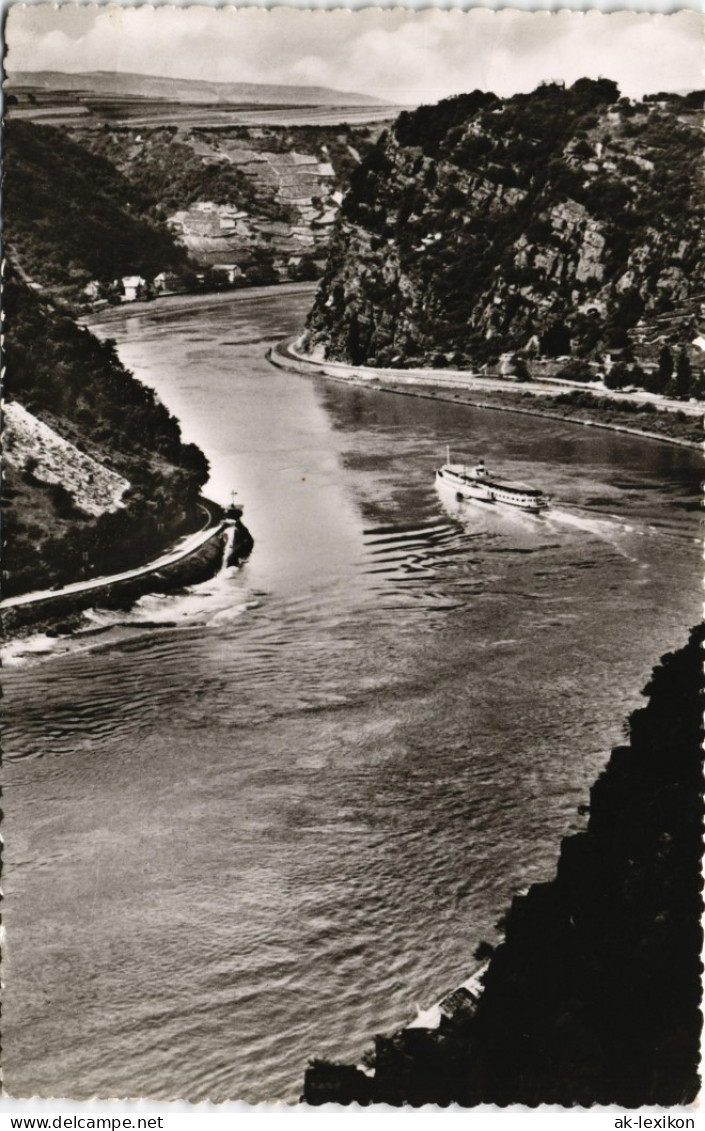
(181, 1115)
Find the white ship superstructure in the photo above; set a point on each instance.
(477, 482)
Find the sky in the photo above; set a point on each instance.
(399, 54)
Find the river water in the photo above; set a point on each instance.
(265, 818)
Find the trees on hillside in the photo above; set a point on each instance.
(70, 216)
(556, 341)
(682, 380)
(61, 373)
(665, 368)
(523, 223)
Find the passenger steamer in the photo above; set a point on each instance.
(484, 486)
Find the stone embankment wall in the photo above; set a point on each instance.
(198, 566)
(488, 393)
(594, 996)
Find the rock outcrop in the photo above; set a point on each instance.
(29, 443)
(567, 221)
(594, 996)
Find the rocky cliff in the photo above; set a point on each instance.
(594, 995)
(566, 221)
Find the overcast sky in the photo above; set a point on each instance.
(398, 54)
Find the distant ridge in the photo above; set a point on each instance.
(94, 84)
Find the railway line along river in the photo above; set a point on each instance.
(262, 819)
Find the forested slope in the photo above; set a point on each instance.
(594, 995)
(70, 216)
(69, 380)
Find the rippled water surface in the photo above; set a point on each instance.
(263, 819)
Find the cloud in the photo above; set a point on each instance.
(399, 54)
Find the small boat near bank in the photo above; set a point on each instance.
(482, 485)
(233, 513)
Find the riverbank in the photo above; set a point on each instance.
(668, 421)
(593, 997)
(184, 301)
(195, 559)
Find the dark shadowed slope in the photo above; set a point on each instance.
(594, 996)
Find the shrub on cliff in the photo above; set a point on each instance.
(428, 126)
(576, 371)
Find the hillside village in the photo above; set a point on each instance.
(548, 234)
(235, 242)
(102, 210)
(166, 209)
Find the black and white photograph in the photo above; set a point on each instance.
(352, 558)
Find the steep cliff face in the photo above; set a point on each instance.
(560, 221)
(594, 995)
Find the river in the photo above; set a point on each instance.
(263, 819)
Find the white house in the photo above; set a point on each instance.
(133, 287)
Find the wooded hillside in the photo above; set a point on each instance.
(63, 375)
(71, 216)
